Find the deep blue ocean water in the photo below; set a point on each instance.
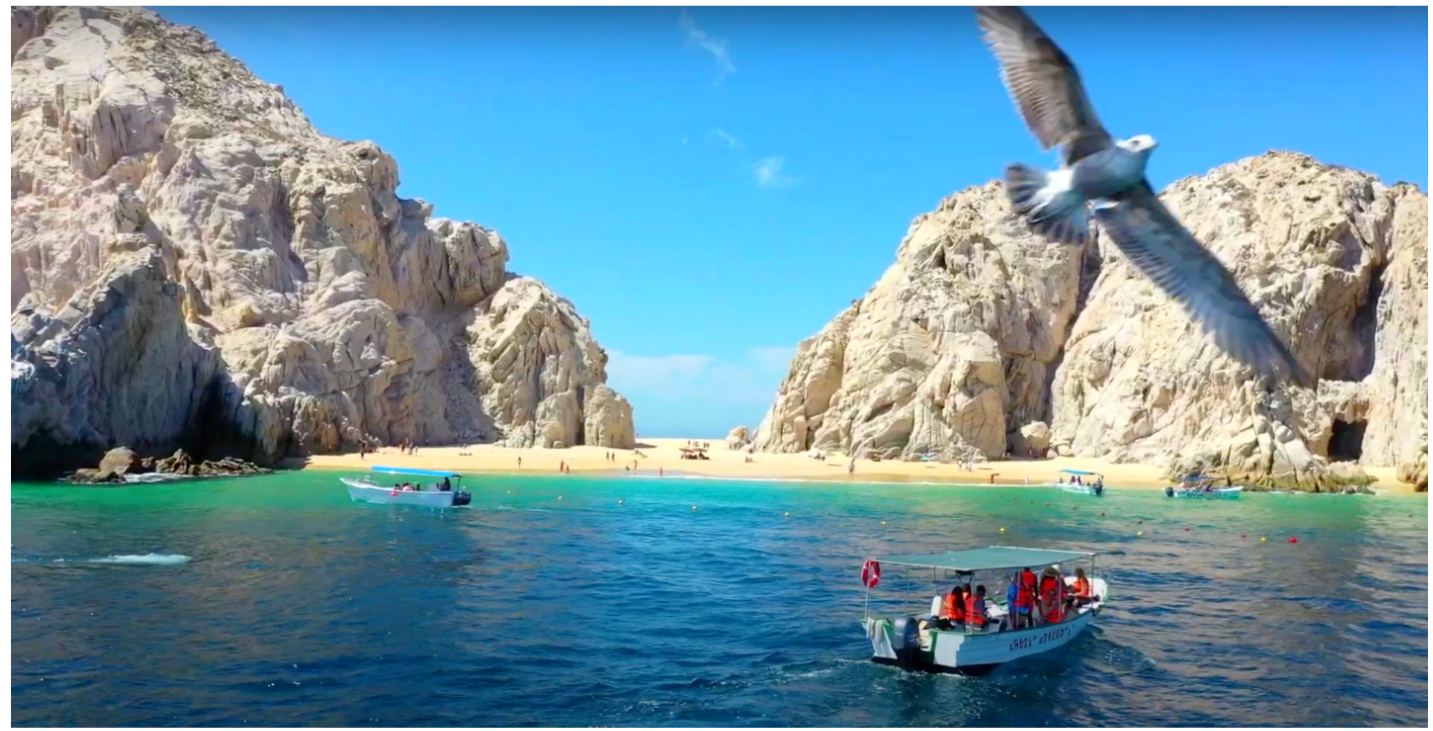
(277, 601)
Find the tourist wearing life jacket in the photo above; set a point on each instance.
(975, 618)
(1025, 597)
(1082, 591)
(1052, 596)
(953, 608)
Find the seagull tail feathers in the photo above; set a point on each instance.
(1048, 204)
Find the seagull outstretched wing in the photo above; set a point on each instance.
(1043, 82)
(1160, 247)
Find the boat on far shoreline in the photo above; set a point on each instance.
(1077, 483)
(1202, 487)
(434, 496)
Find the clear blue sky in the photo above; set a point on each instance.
(710, 191)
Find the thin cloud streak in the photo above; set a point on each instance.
(732, 143)
(715, 46)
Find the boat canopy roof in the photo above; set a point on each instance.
(1079, 472)
(411, 471)
(988, 559)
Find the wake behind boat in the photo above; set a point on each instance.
(438, 493)
(948, 637)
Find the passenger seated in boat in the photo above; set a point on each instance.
(1081, 590)
(976, 619)
(1052, 596)
(447, 486)
(953, 608)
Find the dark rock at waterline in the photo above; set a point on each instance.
(122, 461)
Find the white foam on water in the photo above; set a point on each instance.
(152, 559)
(151, 477)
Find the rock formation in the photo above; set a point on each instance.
(194, 265)
(980, 329)
(952, 348)
(122, 461)
(737, 438)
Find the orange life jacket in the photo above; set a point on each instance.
(1082, 588)
(1025, 594)
(972, 612)
(1050, 595)
(954, 609)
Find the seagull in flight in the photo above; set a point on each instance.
(1099, 171)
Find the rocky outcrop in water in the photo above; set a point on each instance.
(194, 265)
(120, 464)
(981, 330)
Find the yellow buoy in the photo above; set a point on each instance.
(1139, 533)
(1265, 539)
(1002, 530)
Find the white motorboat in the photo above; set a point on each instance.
(920, 640)
(1205, 492)
(430, 495)
(1081, 482)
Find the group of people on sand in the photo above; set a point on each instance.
(1031, 601)
(407, 447)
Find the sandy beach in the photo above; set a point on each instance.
(663, 457)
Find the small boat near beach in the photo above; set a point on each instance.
(919, 640)
(431, 495)
(1081, 483)
(1202, 487)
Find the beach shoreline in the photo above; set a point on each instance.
(661, 458)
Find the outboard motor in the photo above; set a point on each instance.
(1169, 492)
(462, 498)
(906, 641)
(1099, 489)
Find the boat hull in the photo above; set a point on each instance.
(367, 492)
(1081, 489)
(1223, 493)
(955, 651)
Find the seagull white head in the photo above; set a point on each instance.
(1139, 143)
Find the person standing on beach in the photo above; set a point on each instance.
(851, 467)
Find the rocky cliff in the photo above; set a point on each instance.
(981, 330)
(194, 265)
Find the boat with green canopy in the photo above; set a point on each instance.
(929, 639)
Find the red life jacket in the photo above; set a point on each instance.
(1025, 593)
(973, 615)
(1052, 596)
(954, 608)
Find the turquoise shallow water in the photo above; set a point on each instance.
(277, 601)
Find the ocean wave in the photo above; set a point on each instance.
(150, 477)
(146, 559)
(152, 559)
